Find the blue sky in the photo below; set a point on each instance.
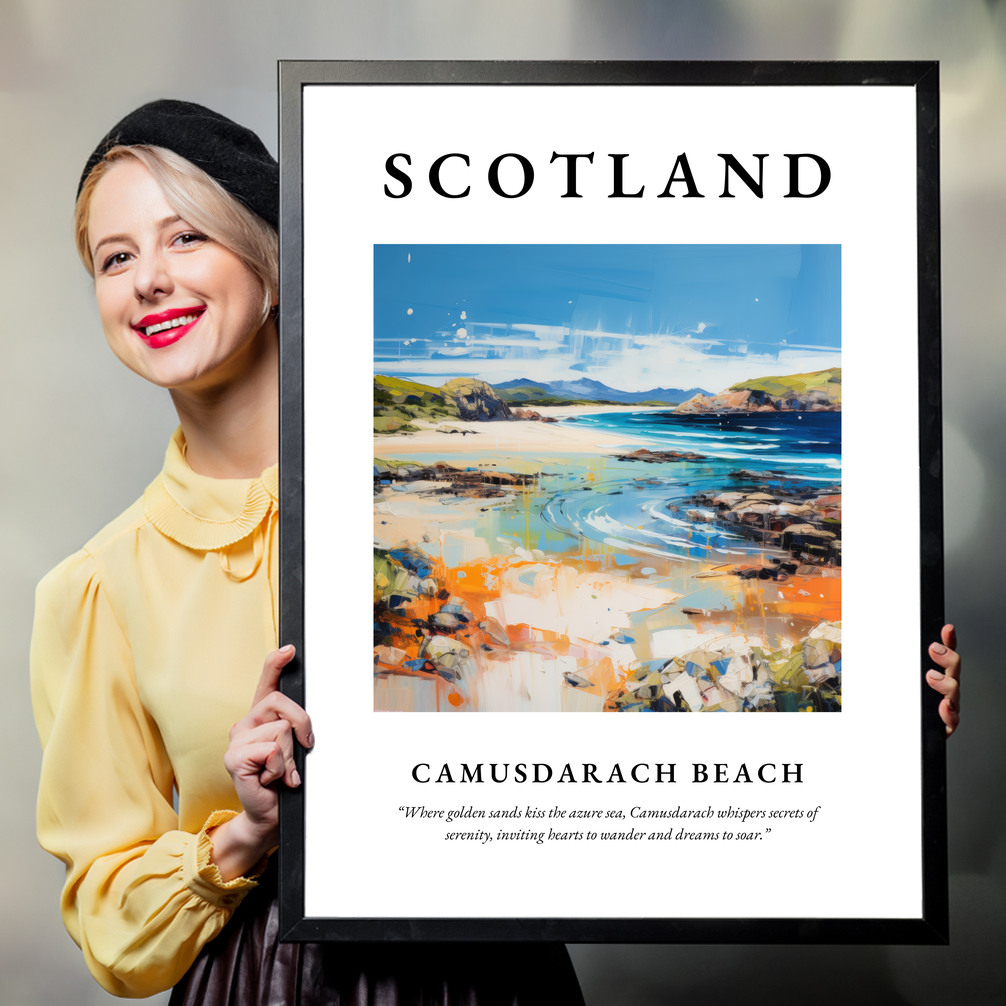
(631, 316)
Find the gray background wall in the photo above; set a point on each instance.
(82, 436)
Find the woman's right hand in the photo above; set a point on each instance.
(260, 753)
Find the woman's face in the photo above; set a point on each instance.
(177, 308)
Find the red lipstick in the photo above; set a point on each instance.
(166, 327)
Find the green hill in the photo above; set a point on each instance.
(827, 381)
(398, 386)
(397, 402)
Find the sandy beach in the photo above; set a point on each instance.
(517, 435)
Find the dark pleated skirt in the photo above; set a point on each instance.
(246, 965)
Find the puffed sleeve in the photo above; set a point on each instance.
(141, 898)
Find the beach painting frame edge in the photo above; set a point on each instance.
(565, 545)
(299, 827)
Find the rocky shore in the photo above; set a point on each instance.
(805, 522)
(819, 391)
(445, 479)
(660, 457)
(532, 416)
(731, 675)
(419, 627)
(427, 630)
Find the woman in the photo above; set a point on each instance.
(149, 642)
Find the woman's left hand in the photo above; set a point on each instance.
(947, 682)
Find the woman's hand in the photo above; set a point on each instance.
(947, 682)
(260, 753)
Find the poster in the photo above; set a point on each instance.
(621, 373)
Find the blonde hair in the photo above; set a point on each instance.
(199, 200)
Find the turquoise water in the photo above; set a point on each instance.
(808, 444)
(645, 512)
(629, 505)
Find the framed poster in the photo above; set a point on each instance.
(580, 362)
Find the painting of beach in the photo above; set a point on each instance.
(607, 478)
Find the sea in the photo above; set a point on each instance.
(649, 509)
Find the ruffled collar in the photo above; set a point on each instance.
(203, 513)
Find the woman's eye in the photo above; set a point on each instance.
(190, 238)
(114, 261)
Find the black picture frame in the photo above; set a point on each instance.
(932, 925)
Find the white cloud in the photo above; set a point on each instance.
(626, 362)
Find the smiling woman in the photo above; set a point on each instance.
(154, 665)
(159, 278)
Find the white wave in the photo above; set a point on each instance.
(600, 521)
(667, 519)
(720, 533)
(682, 435)
(638, 546)
(726, 452)
(668, 539)
(635, 547)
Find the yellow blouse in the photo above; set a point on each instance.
(147, 647)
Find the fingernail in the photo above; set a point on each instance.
(938, 648)
(287, 649)
(295, 777)
(310, 740)
(951, 706)
(936, 674)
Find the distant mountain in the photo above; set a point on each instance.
(524, 390)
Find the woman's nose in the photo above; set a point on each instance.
(152, 277)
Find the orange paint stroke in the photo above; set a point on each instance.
(821, 598)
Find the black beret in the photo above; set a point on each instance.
(230, 154)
